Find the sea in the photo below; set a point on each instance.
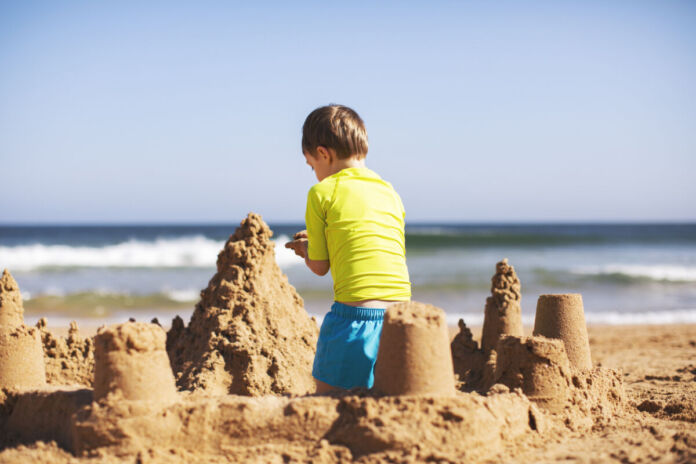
(102, 274)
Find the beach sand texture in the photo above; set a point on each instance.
(233, 386)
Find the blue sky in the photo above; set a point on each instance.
(476, 111)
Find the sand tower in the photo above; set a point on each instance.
(537, 365)
(562, 316)
(503, 314)
(21, 351)
(250, 333)
(414, 354)
(131, 362)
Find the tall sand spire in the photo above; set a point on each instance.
(249, 334)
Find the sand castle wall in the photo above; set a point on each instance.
(563, 317)
(249, 334)
(503, 313)
(46, 414)
(466, 425)
(131, 363)
(414, 355)
(69, 360)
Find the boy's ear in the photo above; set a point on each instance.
(325, 153)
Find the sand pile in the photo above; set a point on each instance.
(21, 353)
(503, 313)
(69, 360)
(249, 334)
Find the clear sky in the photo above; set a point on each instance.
(167, 111)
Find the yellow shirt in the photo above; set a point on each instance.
(356, 221)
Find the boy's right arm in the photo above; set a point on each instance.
(299, 246)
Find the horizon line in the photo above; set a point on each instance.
(414, 222)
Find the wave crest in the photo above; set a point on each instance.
(195, 251)
(662, 272)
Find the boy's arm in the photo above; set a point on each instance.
(318, 267)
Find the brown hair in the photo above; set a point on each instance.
(337, 127)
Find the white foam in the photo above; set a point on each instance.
(191, 251)
(660, 272)
(285, 257)
(675, 316)
(183, 296)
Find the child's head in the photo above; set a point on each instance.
(335, 127)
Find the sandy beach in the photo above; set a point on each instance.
(232, 384)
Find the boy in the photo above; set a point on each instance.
(355, 227)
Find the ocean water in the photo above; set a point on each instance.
(627, 273)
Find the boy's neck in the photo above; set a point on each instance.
(346, 163)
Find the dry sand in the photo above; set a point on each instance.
(242, 363)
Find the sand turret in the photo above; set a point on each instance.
(414, 354)
(503, 313)
(563, 317)
(537, 365)
(21, 351)
(131, 363)
(249, 334)
(11, 308)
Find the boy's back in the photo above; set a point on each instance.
(356, 221)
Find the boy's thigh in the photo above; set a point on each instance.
(346, 352)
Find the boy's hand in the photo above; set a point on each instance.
(299, 244)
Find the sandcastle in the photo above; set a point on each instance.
(131, 362)
(250, 333)
(414, 357)
(21, 351)
(563, 317)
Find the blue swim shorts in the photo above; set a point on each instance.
(347, 346)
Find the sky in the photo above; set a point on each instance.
(142, 112)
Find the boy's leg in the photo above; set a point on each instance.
(323, 387)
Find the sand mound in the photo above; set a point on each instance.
(69, 360)
(414, 356)
(131, 363)
(503, 313)
(249, 334)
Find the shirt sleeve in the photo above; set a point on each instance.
(315, 220)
